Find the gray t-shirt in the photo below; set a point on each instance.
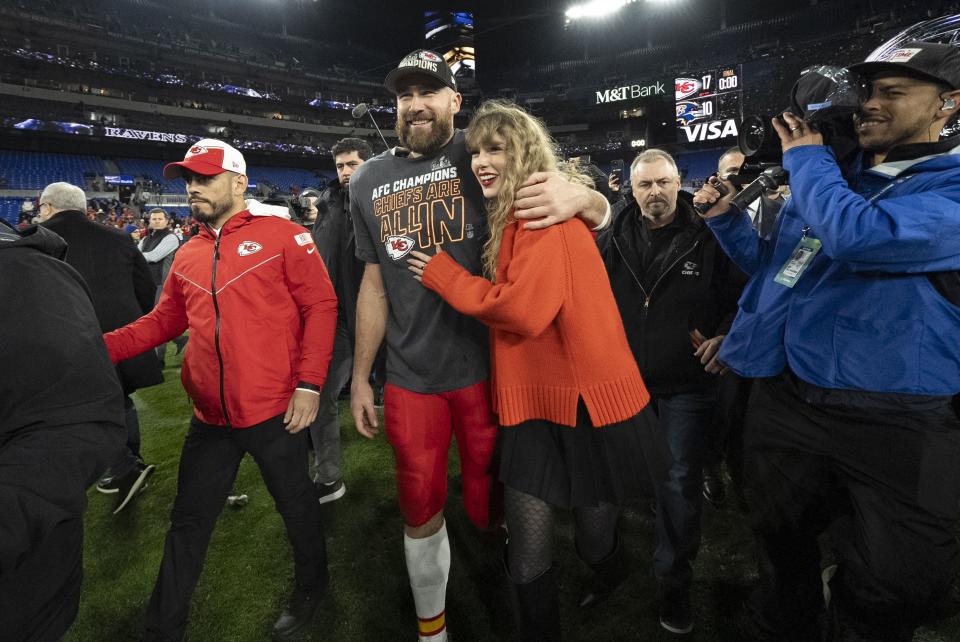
(401, 204)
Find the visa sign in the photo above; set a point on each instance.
(630, 91)
(710, 131)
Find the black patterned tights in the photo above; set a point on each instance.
(530, 524)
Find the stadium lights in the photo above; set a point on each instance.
(595, 8)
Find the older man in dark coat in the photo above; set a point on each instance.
(61, 424)
(123, 290)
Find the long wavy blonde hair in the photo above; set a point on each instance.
(529, 149)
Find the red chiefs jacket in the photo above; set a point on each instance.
(261, 313)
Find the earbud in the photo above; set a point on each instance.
(948, 103)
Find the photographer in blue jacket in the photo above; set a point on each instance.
(850, 325)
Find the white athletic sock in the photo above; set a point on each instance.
(428, 565)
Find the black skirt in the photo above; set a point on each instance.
(583, 466)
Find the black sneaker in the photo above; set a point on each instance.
(107, 484)
(299, 613)
(676, 615)
(714, 490)
(332, 491)
(132, 484)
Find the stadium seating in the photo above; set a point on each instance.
(153, 169)
(10, 209)
(33, 170)
(281, 178)
(178, 212)
(284, 178)
(695, 167)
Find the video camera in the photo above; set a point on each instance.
(299, 205)
(826, 98)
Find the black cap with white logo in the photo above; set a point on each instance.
(926, 60)
(421, 62)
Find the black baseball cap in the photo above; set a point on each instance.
(930, 61)
(823, 91)
(422, 62)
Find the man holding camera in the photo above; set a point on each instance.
(849, 326)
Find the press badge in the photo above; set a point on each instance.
(799, 261)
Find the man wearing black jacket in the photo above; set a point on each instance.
(62, 424)
(123, 290)
(333, 235)
(677, 292)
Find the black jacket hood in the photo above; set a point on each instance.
(36, 237)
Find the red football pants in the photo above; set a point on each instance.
(419, 427)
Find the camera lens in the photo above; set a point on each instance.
(753, 133)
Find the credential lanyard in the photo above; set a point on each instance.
(803, 254)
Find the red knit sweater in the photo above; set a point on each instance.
(556, 330)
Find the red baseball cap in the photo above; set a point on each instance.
(208, 157)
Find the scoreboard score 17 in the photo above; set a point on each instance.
(708, 104)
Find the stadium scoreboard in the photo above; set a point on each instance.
(709, 104)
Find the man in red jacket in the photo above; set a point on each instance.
(261, 311)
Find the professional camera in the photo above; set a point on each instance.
(826, 98)
(300, 205)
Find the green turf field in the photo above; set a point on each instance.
(249, 572)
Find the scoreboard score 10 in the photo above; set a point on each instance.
(708, 104)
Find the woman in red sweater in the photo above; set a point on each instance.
(565, 384)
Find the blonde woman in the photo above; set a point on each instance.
(566, 388)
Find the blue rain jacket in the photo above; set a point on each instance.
(865, 314)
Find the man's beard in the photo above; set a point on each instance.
(428, 142)
(656, 209)
(216, 211)
(889, 134)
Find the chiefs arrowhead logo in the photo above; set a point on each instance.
(198, 149)
(246, 248)
(399, 246)
(685, 87)
(430, 56)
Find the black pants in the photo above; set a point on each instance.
(880, 476)
(44, 474)
(726, 440)
(130, 457)
(208, 466)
